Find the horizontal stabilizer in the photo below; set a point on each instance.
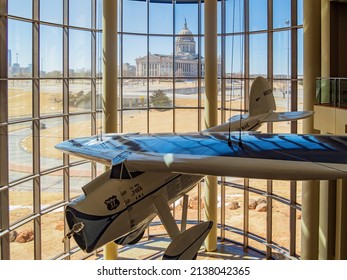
(287, 116)
(186, 245)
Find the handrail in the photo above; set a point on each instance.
(331, 92)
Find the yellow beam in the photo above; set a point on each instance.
(211, 117)
(109, 102)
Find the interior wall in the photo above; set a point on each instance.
(338, 39)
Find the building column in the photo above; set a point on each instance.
(341, 223)
(211, 109)
(312, 65)
(327, 220)
(109, 101)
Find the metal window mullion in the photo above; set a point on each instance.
(147, 66)
(4, 178)
(93, 118)
(66, 172)
(223, 200)
(120, 47)
(173, 62)
(246, 89)
(36, 128)
(270, 126)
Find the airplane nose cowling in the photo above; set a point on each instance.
(98, 217)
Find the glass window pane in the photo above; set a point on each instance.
(19, 48)
(52, 234)
(21, 201)
(160, 120)
(134, 10)
(134, 56)
(281, 13)
(19, 99)
(51, 190)
(186, 57)
(20, 150)
(258, 55)
(300, 12)
(99, 7)
(20, 8)
(80, 95)
(161, 17)
(23, 247)
(281, 55)
(51, 134)
(135, 121)
(79, 126)
(186, 120)
(257, 15)
(160, 94)
(234, 55)
(80, 175)
(134, 93)
(80, 53)
(160, 57)
(51, 51)
(51, 11)
(300, 58)
(80, 13)
(186, 17)
(51, 97)
(186, 93)
(234, 16)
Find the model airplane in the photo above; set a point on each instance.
(150, 171)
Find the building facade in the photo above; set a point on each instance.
(185, 63)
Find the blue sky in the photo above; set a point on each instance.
(135, 21)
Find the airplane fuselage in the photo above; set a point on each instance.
(120, 205)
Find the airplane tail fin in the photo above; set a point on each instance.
(261, 109)
(261, 98)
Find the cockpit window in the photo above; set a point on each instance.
(134, 174)
(120, 171)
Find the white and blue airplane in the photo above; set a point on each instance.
(148, 172)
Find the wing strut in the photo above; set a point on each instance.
(184, 213)
(166, 217)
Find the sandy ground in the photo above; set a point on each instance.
(136, 120)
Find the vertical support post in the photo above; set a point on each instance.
(109, 102)
(211, 119)
(310, 189)
(341, 224)
(294, 124)
(327, 220)
(4, 193)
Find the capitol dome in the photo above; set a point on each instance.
(185, 43)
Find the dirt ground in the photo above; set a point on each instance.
(136, 120)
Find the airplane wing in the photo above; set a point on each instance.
(262, 156)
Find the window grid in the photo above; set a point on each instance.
(175, 110)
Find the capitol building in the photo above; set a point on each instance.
(185, 63)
